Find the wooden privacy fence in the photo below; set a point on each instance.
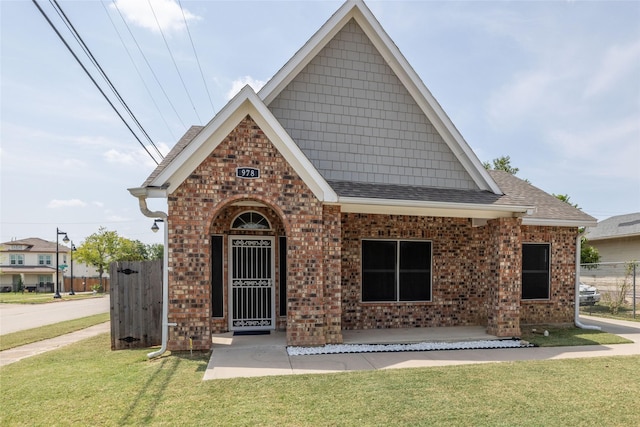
(136, 304)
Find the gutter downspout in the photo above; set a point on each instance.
(577, 321)
(165, 275)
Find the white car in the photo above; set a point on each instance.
(589, 295)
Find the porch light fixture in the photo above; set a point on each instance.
(65, 240)
(155, 227)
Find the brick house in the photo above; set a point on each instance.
(341, 196)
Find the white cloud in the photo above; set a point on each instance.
(617, 63)
(136, 158)
(117, 218)
(241, 82)
(607, 148)
(525, 96)
(167, 12)
(71, 203)
(98, 204)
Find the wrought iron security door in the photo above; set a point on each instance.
(252, 296)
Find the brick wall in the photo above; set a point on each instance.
(560, 306)
(504, 276)
(476, 274)
(211, 188)
(458, 289)
(475, 270)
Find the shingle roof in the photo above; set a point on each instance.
(423, 194)
(616, 226)
(177, 149)
(517, 192)
(548, 207)
(34, 244)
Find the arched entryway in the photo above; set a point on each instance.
(248, 268)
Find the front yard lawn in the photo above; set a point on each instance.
(602, 310)
(43, 298)
(87, 383)
(570, 336)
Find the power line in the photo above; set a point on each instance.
(196, 55)
(174, 62)
(46, 17)
(115, 5)
(95, 62)
(144, 83)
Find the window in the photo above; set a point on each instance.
(16, 259)
(45, 278)
(396, 270)
(250, 221)
(535, 270)
(44, 259)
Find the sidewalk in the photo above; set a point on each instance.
(18, 353)
(254, 356)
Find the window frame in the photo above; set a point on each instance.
(16, 259)
(233, 227)
(45, 259)
(536, 271)
(398, 272)
(48, 277)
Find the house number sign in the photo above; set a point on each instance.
(247, 173)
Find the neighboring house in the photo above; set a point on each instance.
(33, 261)
(341, 196)
(617, 239)
(30, 261)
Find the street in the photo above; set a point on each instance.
(18, 317)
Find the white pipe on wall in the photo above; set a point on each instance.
(165, 275)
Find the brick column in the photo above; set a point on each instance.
(505, 277)
(305, 290)
(332, 276)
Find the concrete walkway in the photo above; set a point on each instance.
(18, 353)
(264, 355)
(252, 356)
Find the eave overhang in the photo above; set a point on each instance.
(432, 208)
(245, 103)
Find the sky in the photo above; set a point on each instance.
(555, 85)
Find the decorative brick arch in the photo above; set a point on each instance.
(212, 189)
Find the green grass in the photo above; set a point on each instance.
(569, 336)
(28, 336)
(601, 310)
(86, 383)
(42, 298)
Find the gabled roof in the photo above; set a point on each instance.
(32, 244)
(497, 194)
(549, 209)
(357, 10)
(198, 143)
(616, 227)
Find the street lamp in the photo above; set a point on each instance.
(155, 227)
(66, 240)
(73, 248)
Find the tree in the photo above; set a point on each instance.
(104, 247)
(155, 251)
(131, 250)
(501, 164)
(99, 250)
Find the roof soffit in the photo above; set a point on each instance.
(246, 102)
(357, 10)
